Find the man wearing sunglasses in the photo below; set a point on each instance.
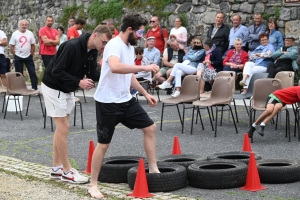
(115, 104)
(74, 59)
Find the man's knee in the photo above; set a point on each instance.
(102, 147)
(150, 129)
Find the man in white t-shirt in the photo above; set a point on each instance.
(3, 43)
(22, 46)
(114, 103)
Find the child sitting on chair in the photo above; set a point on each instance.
(275, 102)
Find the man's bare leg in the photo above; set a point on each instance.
(150, 147)
(97, 160)
(276, 109)
(269, 110)
(60, 142)
(56, 159)
(159, 77)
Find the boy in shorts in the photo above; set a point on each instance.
(275, 102)
(114, 103)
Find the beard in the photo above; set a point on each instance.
(132, 40)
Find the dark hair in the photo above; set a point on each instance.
(61, 28)
(72, 18)
(49, 16)
(179, 18)
(139, 50)
(263, 35)
(190, 39)
(134, 20)
(274, 21)
(238, 16)
(220, 12)
(80, 21)
(157, 17)
(208, 42)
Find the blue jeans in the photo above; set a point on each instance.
(19, 63)
(46, 59)
(2, 64)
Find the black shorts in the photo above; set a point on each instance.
(271, 100)
(130, 114)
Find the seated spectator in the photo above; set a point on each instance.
(260, 58)
(275, 102)
(189, 65)
(275, 36)
(190, 43)
(236, 58)
(286, 58)
(179, 32)
(171, 56)
(211, 65)
(151, 52)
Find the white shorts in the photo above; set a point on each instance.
(57, 103)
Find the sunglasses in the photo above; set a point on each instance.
(139, 53)
(152, 21)
(139, 33)
(197, 42)
(103, 41)
(103, 23)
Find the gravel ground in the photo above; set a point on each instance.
(15, 188)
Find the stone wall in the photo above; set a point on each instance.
(199, 14)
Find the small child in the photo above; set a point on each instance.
(275, 102)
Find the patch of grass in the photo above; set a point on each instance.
(73, 163)
(41, 75)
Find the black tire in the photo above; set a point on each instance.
(217, 174)
(181, 159)
(278, 170)
(114, 169)
(239, 156)
(172, 177)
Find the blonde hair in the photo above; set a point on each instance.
(103, 29)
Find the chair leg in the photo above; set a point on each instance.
(179, 114)
(75, 115)
(162, 115)
(276, 123)
(250, 121)
(51, 124)
(81, 114)
(296, 121)
(212, 126)
(15, 104)
(6, 107)
(212, 113)
(192, 124)
(19, 108)
(233, 118)
(201, 119)
(3, 102)
(28, 105)
(287, 124)
(246, 106)
(236, 115)
(41, 105)
(222, 116)
(216, 121)
(183, 112)
(157, 92)
(45, 119)
(83, 95)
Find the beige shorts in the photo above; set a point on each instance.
(57, 103)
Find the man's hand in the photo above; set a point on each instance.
(152, 100)
(86, 84)
(151, 68)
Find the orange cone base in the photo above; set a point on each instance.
(140, 196)
(86, 172)
(254, 190)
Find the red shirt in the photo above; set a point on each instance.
(72, 32)
(116, 32)
(244, 57)
(50, 33)
(288, 95)
(138, 62)
(160, 43)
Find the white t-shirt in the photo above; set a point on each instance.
(22, 42)
(2, 35)
(114, 88)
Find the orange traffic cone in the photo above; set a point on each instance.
(253, 181)
(90, 156)
(176, 146)
(140, 189)
(246, 145)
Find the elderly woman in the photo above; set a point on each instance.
(179, 32)
(211, 65)
(275, 36)
(236, 58)
(188, 66)
(260, 58)
(286, 58)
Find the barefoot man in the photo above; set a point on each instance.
(114, 103)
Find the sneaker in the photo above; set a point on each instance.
(73, 176)
(56, 175)
(243, 83)
(165, 85)
(251, 131)
(261, 130)
(175, 94)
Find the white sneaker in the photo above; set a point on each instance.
(175, 94)
(73, 176)
(165, 85)
(56, 175)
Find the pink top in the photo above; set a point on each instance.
(50, 33)
(181, 35)
(209, 65)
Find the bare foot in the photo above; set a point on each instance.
(95, 192)
(154, 169)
